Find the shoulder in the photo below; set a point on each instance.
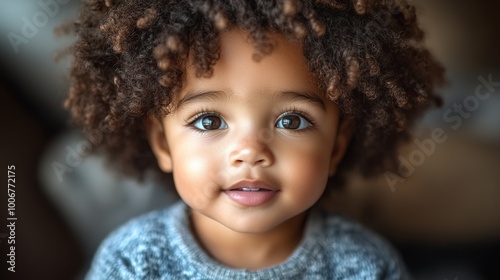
(135, 249)
(359, 253)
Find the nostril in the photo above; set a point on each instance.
(251, 160)
(251, 153)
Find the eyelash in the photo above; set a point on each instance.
(294, 110)
(303, 114)
(290, 111)
(201, 113)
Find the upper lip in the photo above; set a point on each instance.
(254, 184)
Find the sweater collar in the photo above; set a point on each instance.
(199, 261)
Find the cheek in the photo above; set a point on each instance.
(307, 169)
(194, 174)
(190, 160)
(311, 172)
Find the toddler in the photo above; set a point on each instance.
(256, 108)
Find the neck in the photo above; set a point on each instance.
(248, 250)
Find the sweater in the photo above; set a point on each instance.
(160, 245)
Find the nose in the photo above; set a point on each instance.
(251, 151)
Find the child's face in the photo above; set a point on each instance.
(261, 124)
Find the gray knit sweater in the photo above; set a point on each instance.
(160, 245)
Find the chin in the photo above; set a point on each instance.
(254, 225)
(250, 229)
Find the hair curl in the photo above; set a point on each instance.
(368, 55)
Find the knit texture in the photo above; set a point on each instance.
(160, 245)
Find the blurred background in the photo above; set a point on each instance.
(442, 211)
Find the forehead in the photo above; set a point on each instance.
(237, 71)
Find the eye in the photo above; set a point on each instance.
(209, 122)
(292, 121)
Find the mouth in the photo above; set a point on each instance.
(251, 186)
(250, 190)
(251, 193)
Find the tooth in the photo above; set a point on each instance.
(250, 189)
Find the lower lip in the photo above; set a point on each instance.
(251, 198)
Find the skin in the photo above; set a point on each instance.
(249, 102)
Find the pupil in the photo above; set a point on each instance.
(291, 122)
(211, 122)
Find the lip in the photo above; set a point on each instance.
(251, 193)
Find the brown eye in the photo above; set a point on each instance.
(209, 122)
(293, 121)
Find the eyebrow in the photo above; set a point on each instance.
(303, 96)
(204, 96)
(200, 96)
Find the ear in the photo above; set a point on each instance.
(342, 140)
(158, 142)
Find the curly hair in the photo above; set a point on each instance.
(130, 56)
